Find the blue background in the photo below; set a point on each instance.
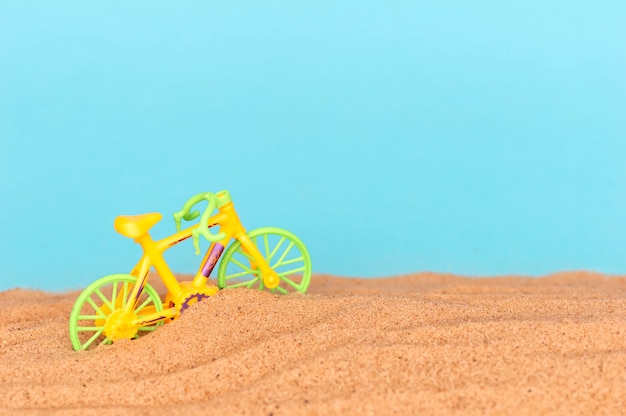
(391, 136)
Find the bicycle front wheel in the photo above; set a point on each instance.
(285, 253)
(100, 301)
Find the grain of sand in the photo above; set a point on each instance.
(418, 344)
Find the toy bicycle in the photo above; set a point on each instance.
(124, 306)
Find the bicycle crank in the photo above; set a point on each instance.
(120, 326)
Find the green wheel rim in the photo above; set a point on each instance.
(99, 300)
(283, 251)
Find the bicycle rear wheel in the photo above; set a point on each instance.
(285, 253)
(102, 299)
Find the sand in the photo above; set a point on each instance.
(419, 344)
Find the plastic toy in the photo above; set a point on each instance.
(124, 306)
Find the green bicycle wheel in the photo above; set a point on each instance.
(99, 301)
(282, 250)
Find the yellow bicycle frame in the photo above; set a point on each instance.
(230, 225)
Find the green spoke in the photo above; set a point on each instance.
(92, 339)
(267, 245)
(104, 299)
(106, 341)
(289, 262)
(95, 307)
(238, 263)
(290, 282)
(235, 275)
(144, 304)
(280, 289)
(248, 256)
(147, 328)
(244, 284)
(280, 260)
(114, 293)
(91, 317)
(299, 269)
(280, 242)
(88, 328)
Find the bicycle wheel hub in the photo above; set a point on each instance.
(120, 326)
(271, 280)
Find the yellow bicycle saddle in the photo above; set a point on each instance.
(135, 226)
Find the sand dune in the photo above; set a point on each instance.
(419, 344)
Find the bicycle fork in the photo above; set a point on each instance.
(270, 278)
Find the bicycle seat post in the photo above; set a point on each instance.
(137, 227)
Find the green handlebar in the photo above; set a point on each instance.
(188, 215)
